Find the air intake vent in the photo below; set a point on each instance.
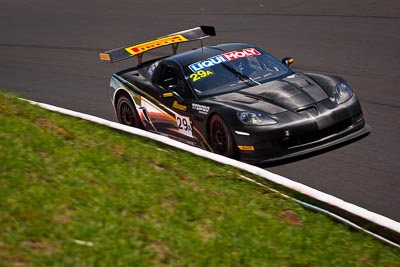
(308, 112)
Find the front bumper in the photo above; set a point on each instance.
(299, 134)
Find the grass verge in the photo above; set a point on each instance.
(77, 194)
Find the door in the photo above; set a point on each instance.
(173, 117)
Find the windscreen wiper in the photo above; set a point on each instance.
(240, 74)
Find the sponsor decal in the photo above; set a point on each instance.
(233, 55)
(179, 106)
(140, 48)
(200, 108)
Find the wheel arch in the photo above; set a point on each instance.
(121, 92)
(223, 115)
(208, 122)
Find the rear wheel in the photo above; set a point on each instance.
(221, 138)
(127, 113)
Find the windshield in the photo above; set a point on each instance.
(233, 70)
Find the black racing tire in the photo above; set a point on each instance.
(126, 112)
(221, 138)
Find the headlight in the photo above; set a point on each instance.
(342, 93)
(255, 118)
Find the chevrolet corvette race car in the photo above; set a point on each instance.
(233, 99)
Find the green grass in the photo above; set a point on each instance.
(73, 193)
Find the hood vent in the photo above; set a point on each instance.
(308, 112)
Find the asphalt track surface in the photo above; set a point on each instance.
(49, 53)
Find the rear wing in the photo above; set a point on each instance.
(173, 39)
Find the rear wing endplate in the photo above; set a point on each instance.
(173, 39)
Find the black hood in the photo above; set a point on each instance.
(290, 93)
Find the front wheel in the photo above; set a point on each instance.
(127, 113)
(221, 138)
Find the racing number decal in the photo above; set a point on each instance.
(184, 126)
(200, 74)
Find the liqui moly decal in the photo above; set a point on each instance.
(209, 62)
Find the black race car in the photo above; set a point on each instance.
(233, 99)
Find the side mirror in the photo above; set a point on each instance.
(287, 61)
(171, 94)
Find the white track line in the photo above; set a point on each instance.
(301, 188)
